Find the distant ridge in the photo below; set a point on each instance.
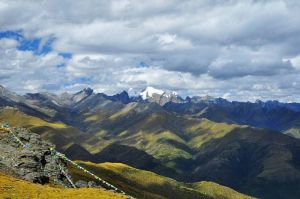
(189, 140)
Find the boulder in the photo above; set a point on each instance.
(34, 162)
(81, 184)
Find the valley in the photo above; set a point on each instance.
(192, 140)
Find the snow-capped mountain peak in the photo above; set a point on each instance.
(150, 91)
(159, 96)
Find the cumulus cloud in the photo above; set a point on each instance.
(24, 71)
(236, 49)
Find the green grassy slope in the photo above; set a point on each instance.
(254, 161)
(57, 132)
(250, 160)
(162, 134)
(145, 184)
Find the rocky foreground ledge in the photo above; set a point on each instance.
(33, 162)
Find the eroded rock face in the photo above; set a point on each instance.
(34, 162)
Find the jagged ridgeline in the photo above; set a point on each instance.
(247, 146)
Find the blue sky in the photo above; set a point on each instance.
(240, 50)
(25, 44)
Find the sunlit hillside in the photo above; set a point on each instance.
(57, 132)
(18, 189)
(145, 184)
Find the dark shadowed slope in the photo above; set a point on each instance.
(147, 185)
(257, 162)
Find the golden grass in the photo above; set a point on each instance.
(149, 142)
(56, 132)
(96, 117)
(18, 189)
(138, 183)
(145, 184)
(205, 130)
(218, 191)
(18, 119)
(124, 111)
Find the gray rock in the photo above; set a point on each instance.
(24, 136)
(92, 184)
(34, 162)
(81, 184)
(33, 176)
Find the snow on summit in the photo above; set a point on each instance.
(149, 91)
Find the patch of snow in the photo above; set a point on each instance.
(149, 91)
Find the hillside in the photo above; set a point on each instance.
(271, 114)
(56, 132)
(161, 99)
(184, 146)
(187, 149)
(31, 158)
(257, 162)
(14, 188)
(168, 137)
(145, 184)
(149, 127)
(250, 160)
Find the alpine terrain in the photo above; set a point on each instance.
(152, 145)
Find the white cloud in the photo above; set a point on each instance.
(238, 49)
(295, 61)
(24, 71)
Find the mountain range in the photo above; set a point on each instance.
(252, 147)
(283, 117)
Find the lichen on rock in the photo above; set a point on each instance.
(32, 162)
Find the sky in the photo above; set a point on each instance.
(238, 50)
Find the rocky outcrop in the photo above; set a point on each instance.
(33, 162)
(25, 155)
